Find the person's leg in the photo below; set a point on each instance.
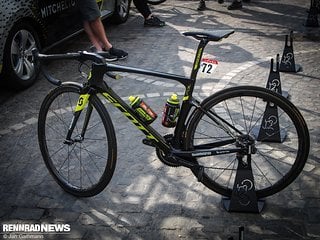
(97, 34)
(91, 36)
(95, 30)
(143, 8)
(100, 40)
(92, 24)
(202, 5)
(149, 19)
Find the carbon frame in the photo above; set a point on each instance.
(97, 84)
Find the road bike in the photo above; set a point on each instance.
(212, 137)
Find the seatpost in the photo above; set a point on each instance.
(196, 63)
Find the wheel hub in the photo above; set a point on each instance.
(247, 144)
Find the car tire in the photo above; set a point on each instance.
(20, 69)
(121, 11)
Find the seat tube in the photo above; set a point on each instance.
(186, 105)
(197, 59)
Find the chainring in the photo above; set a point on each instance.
(170, 161)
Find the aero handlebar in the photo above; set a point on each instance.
(81, 56)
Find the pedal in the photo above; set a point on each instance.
(148, 142)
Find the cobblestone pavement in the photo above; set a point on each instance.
(146, 199)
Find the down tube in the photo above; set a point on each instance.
(150, 132)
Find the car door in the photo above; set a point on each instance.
(60, 17)
(106, 7)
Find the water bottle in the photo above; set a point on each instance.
(171, 111)
(144, 111)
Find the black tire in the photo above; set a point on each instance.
(275, 164)
(121, 11)
(85, 167)
(155, 2)
(20, 69)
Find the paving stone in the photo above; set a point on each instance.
(145, 198)
(27, 213)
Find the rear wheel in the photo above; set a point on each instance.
(257, 117)
(84, 165)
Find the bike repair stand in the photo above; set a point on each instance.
(269, 130)
(287, 61)
(243, 198)
(274, 82)
(312, 20)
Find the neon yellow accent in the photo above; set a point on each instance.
(82, 102)
(174, 97)
(131, 99)
(117, 76)
(129, 116)
(185, 98)
(198, 58)
(110, 99)
(100, 4)
(89, 75)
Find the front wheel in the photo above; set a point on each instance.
(271, 124)
(84, 164)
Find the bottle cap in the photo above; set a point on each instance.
(174, 97)
(131, 98)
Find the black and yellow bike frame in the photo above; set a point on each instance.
(97, 85)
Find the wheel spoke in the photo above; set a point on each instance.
(274, 164)
(83, 166)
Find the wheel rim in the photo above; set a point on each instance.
(79, 165)
(123, 7)
(273, 162)
(21, 54)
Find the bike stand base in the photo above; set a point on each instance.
(243, 197)
(257, 208)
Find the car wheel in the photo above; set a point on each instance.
(20, 69)
(121, 11)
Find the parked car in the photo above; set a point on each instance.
(26, 24)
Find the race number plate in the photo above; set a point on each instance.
(208, 66)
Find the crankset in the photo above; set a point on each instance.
(168, 160)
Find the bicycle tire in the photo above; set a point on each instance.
(155, 2)
(85, 167)
(275, 164)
